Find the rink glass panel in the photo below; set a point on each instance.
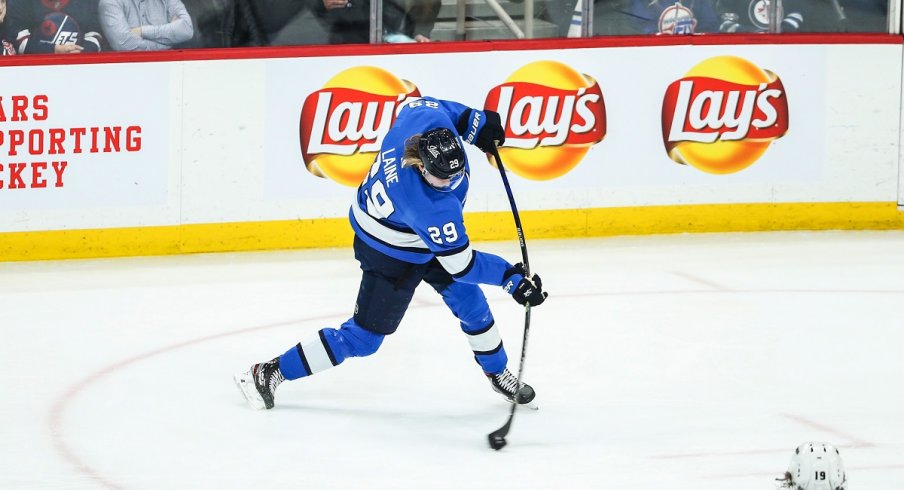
(241, 23)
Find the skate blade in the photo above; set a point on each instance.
(245, 384)
(530, 405)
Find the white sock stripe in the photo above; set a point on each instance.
(316, 355)
(485, 341)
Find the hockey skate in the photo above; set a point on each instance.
(259, 383)
(504, 383)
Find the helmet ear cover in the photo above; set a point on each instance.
(441, 153)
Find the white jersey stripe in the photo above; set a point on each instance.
(457, 262)
(485, 341)
(385, 234)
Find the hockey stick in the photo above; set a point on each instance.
(497, 437)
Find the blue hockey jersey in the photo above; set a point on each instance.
(398, 213)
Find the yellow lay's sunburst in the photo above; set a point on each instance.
(723, 115)
(552, 115)
(342, 124)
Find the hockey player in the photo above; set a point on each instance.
(409, 228)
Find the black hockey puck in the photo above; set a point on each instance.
(497, 442)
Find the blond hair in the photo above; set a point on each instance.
(411, 157)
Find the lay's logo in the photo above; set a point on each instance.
(552, 116)
(342, 124)
(723, 115)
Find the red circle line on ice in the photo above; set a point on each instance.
(60, 405)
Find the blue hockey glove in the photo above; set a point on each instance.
(482, 129)
(525, 290)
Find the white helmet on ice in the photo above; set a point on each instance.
(816, 466)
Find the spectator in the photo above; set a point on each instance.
(213, 20)
(145, 25)
(55, 26)
(348, 21)
(410, 20)
(263, 22)
(847, 15)
(6, 47)
(755, 15)
(866, 15)
(268, 22)
(561, 13)
(621, 17)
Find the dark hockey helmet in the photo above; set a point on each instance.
(441, 153)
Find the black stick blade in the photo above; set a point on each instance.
(497, 437)
(497, 440)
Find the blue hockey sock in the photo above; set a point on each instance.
(469, 305)
(327, 349)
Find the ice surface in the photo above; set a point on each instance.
(666, 362)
